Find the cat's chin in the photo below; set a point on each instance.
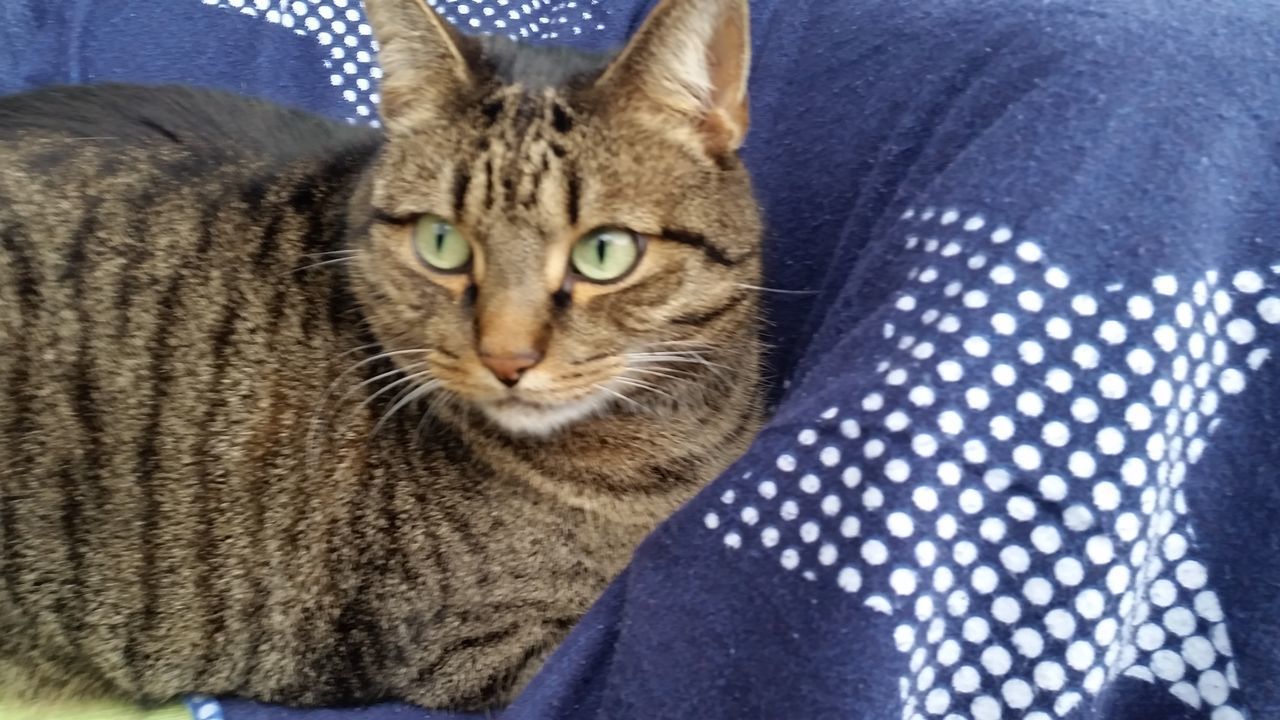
(537, 420)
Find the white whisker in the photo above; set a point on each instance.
(324, 402)
(322, 263)
(644, 386)
(697, 343)
(778, 291)
(409, 397)
(682, 374)
(406, 379)
(618, 395)
(686, 360)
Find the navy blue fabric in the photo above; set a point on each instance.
(1023, 458)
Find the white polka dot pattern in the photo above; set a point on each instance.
(1013, 494)
(340, 26)
(204, 708)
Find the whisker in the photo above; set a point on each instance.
(406, 379)
(386, 356)
(411, 396)
(358, 348)
(668, 353)
(321, 264)
(779, 291)
(375, 379)
(618, 395)
(330, 252)
(644, 386)
(697, 343)
(324, 403)
(681, 341)
(682, 374)
(372, 359)
(441, 398)
(685, 360)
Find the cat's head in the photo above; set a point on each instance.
(563, 235)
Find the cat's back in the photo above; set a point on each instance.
(163, 277)
(120, 156)
(158, 117)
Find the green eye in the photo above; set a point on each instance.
(604, 256)
(440, 245)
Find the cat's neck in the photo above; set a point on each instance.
(633, 466)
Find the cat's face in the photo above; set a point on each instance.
(560, 250)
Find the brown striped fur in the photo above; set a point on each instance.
(247, 445)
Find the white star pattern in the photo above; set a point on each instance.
(1014, 492)
(340, 26)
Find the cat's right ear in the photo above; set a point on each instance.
(689, 60)
(424, 61)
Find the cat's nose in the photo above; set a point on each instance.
(510, 367)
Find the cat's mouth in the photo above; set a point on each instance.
(519, 416)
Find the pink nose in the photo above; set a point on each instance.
(509, 367)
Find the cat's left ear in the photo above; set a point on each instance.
(426, 63)
(690, 59)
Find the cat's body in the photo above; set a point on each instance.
(217, 474)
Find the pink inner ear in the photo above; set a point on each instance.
(727, 56)
(652, 69)
(727, 60)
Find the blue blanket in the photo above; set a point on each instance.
(1025, 460)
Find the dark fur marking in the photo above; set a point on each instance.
(20, 421)
(206, 549)
(161, 374)
(491, 110)
(257, 490)
(509, 190)
(461, 181)
(304, 195)
(558, 149)
(357, 634)
(573, 194)
(700, 319)
(560, 119)
(137, 252)
(74, 268)
(562, 299)
(531, 199)
(695, 240)
(341, 301)
(488, 183)
(468, 642)
(83, 388)
(502, 678)
(160, 129)
(255, 193)
(386, 218)
(526, 113)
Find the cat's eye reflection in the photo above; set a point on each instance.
(606, 255)
(439, 244)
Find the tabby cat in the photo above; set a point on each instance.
(313, 414)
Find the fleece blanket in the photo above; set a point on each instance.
(1025, 455)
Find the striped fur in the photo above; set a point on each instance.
(217, 472)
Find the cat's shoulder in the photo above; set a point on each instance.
(196, 117)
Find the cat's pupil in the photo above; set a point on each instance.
(601, 248)
(440, 233)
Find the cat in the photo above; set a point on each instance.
(312, 413)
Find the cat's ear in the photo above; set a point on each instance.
(690, 58)
(425, 61)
